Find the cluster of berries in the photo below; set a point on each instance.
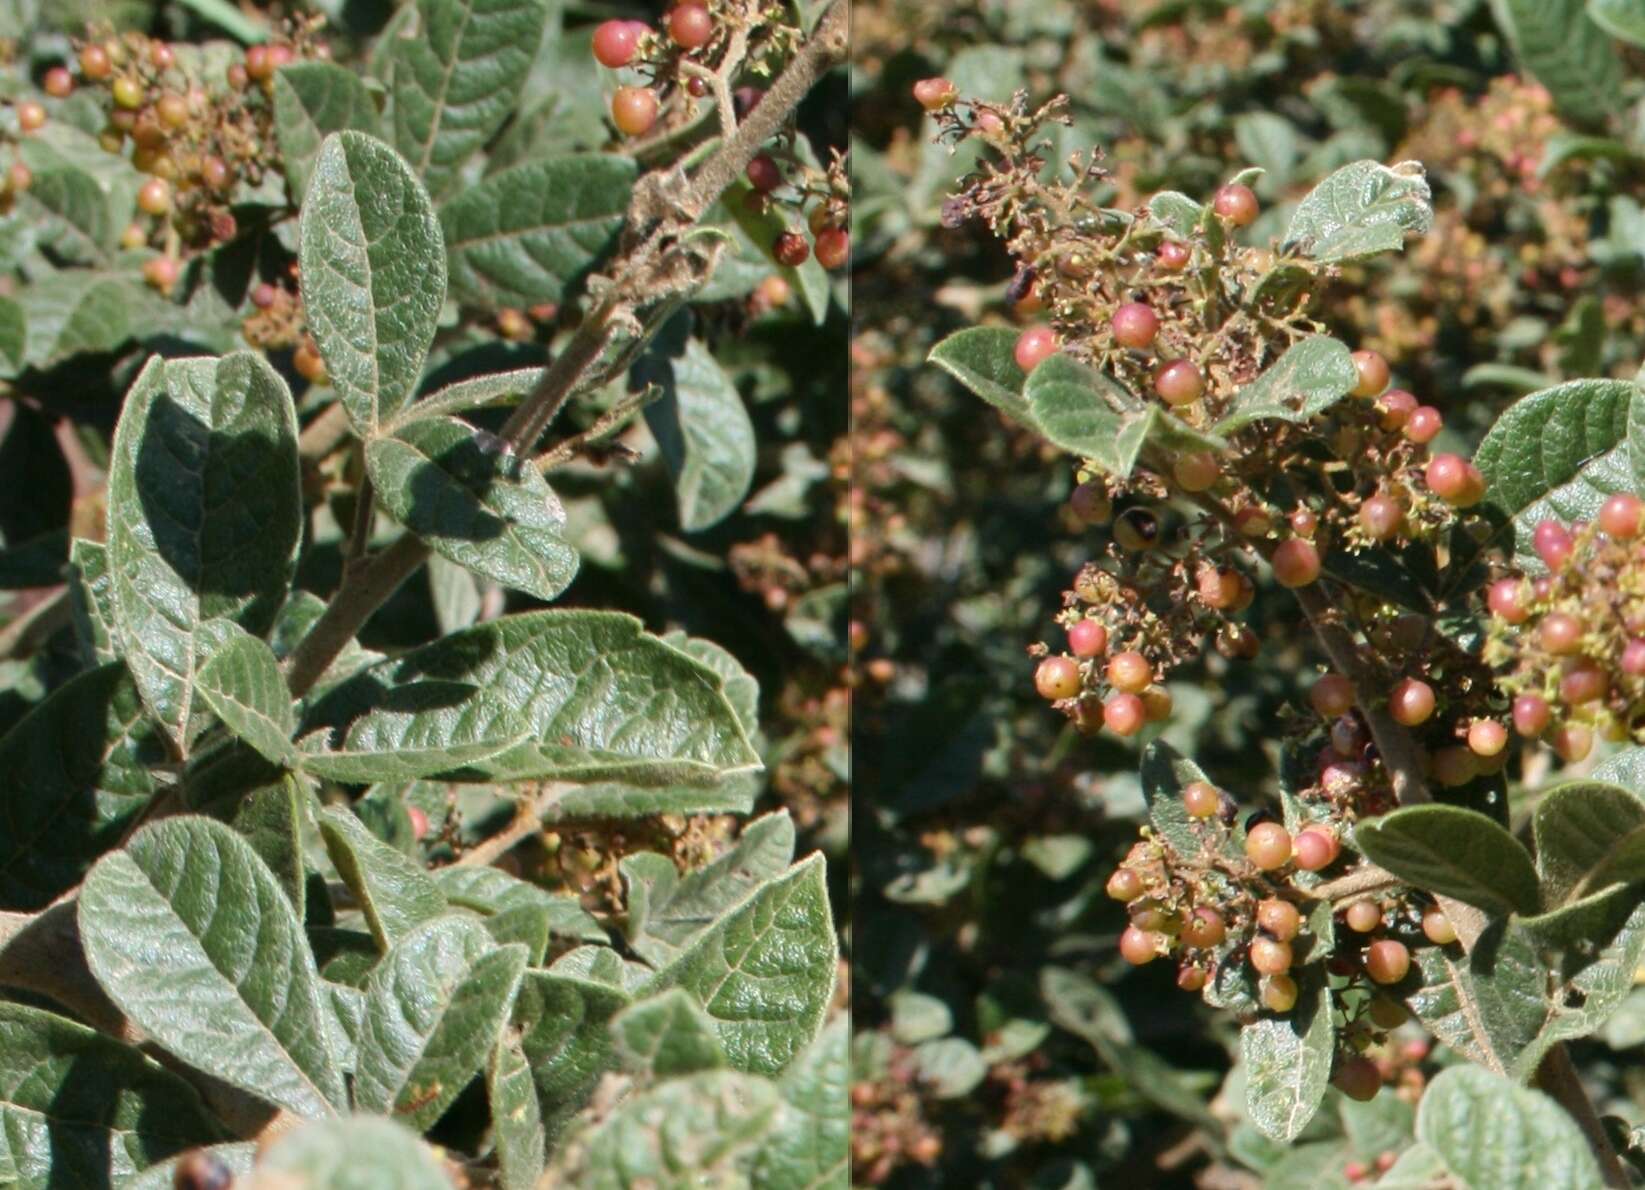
(1247, 910)
(691, 36)
(1572, 641)
(195, 138)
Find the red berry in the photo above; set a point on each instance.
(1201, 799)
(697, 86)
(1363, 916)
(1130, 672)
(1270, 956)
(1332, 695)
(1411, 702)
(1124, 714)
(1487, 737)
(1372, 374)
(1295, 562)
(1137, 946)
(1034, 345)
(95, 63)
(634, 110)
(1358, 1078)
(764, 173)
(1553, 543)
(1438, 928)
(833, 247)
(1447, 477)
(1087, 638)
(934, 94)
(1583, 681)
(791, 250)
(280, 55)
(154, 198)
(1395, 407)
(1179, 382)
(161, 272)
(1560, 633)
(1089, 501)
(1387, 961)
(1268, 846)
(259, 63)
(31, 116)
(1204, 929)
(1531, 715)
(1191, 979)
(1173, 255)
(1381, 516)
(1057, 677)
(1279, 993)
(690, 26)
(161, 56)
(1135, 324)
(1280, 919)
(59, 83)
(1619, 516)
(1573, 741)
(1237, 204)
(1125, 885)
(1424, 424)
(1506, 598)
(615, 42)
(1316, 848)
(1196, 471)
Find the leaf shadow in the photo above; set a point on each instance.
(477, 464)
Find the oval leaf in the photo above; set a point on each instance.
(373, 274)
(1287, 1071)
(1588, 834)
(983, 358)
(702, 429)
(1454, 852)
(1308, 379)
(190, 934)
(241, 683)
(482, 507)
(205, 514)
(1360, 210)
(311, 100)
(1490, 1132)
(395, 893)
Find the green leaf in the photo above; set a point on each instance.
(1588, 834)
(336, 1154)
(811, 1145)
(81, 1109)
(456, 79)
(517, 1132)
(1287, 1071)
(491, 891)
(1596, 966)
(395, 893)
(1079, 409)
(705, 1129)
(373, 269)
(984, 359)
(949, 1067)
(667, 1035)
(1454, 852)
(72, 216)
(14, 336)
(413, 731)
(77, 310)
(312, 100)
(477, 392)
(566, 1035)
(435, 1008)
(241, 683)
(530, 233)
(1308, 379)
(702, 429)
(600, 699)
(1624, 19)
(1488, 1005)
(1361, 210)
(75, 771)
(764, 971)
(205, 515)
(666, 911)
(91, 596)
(1489, 1132)
(1176, 212)
(273, 819)
(482, 507)
(1557, 455)
(1568, 54)
(191, 935)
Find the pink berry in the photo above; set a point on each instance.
(1424, 424)
(1316, 848)
(1633, 658)
(1035, 345)
(1506, 599)
(1137, 946)
(1237, 204)
(934, 94)
(1487, 737)
(1087, 638)
(1173, 255)
(1135, 324)
(1124, 714)
(1381, 516)
(691, 26)
(1560, 633)
(419, 821)
(1553, 544)
(614, 43)
(1372, 372)
(1179, 382)
(1332, 695)
(1583, 681)
(1057, 678)
(1196, 471)
(764, 173)
(1296, 562)
(1619, 516)
(1395, 407)
(1531, 715)
(1411, 702)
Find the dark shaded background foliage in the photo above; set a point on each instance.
(984, 826)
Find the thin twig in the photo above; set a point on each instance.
(528, 820)
(324, 434)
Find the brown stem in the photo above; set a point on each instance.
(324, 434)
(528, 820)
(365, 589)
(1557, 1077)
